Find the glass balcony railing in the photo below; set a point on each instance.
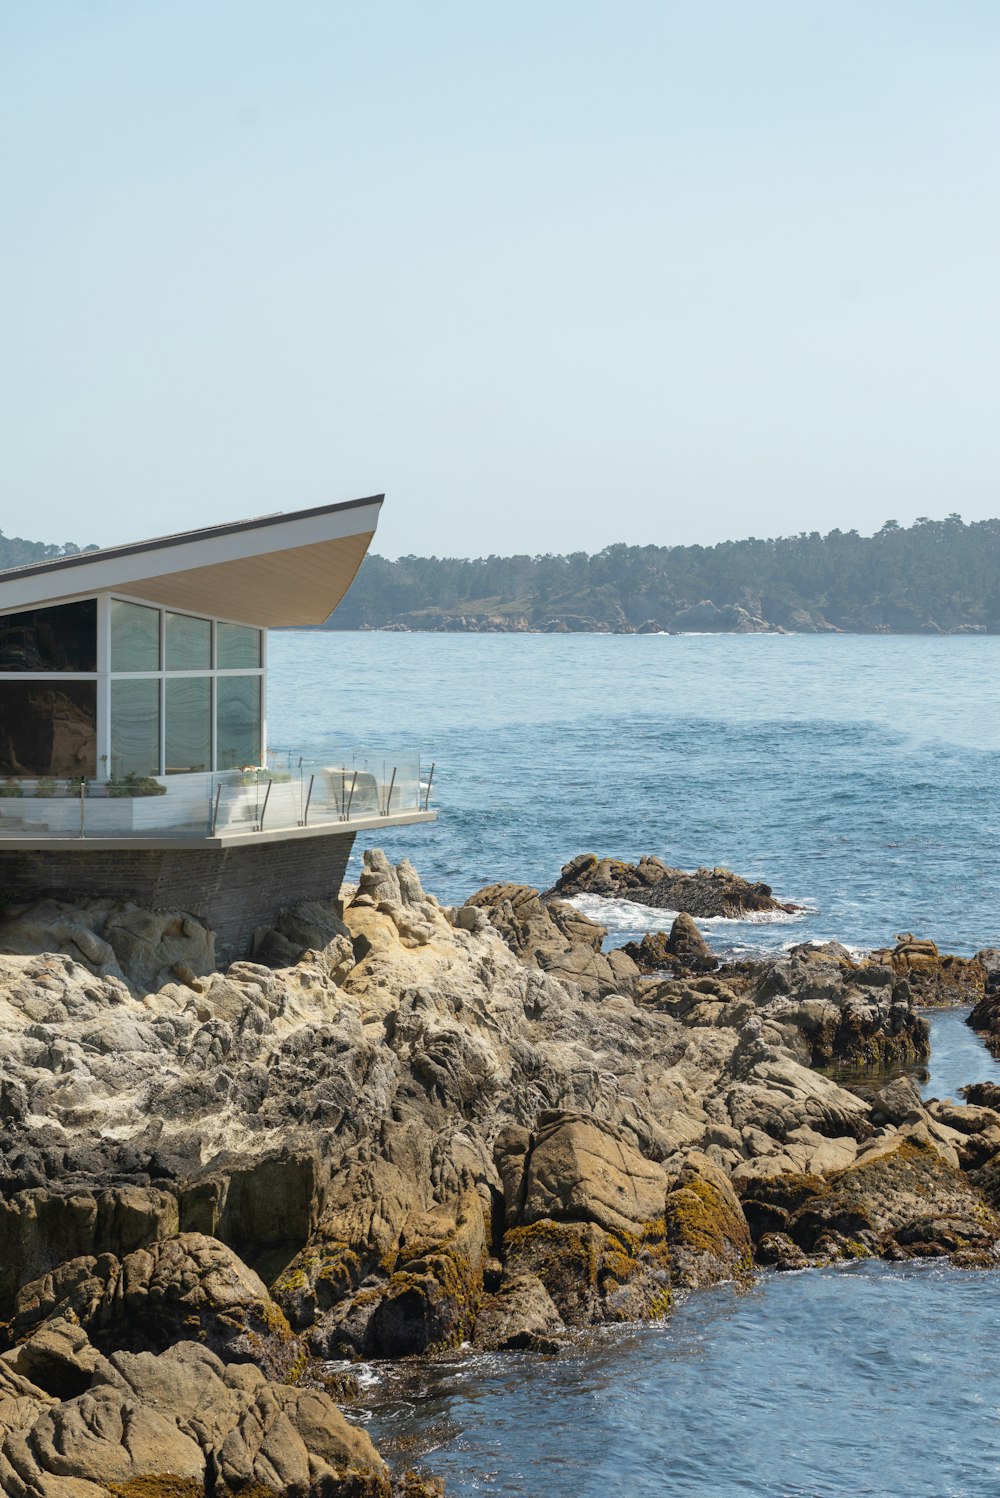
(291, 790)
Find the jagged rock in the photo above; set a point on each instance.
(769, 1203)
(933, 977)
(684, 950)
(705, 892)
(433, 1294)
(334, 1122)
(425, 1137)
(556, 938)
(42, 1228)
(728, 618)
(584, 1213)
(309, 926)
(707, 1232)
(158, 1296)
(845, 1014)
(181, 1423)
(898, 1102)
(575, 1171)
(145, 948)
(777, 1251)
(520, 1316)
(382, 1275)
(264, 1209)
(973, 1132)
(985, 1016)
(901, 1199)
(983, 1094)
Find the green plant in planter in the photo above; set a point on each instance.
(11, 787)
(46, 786)
(134, 784)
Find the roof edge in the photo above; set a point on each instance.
(180, 538)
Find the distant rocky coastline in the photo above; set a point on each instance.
(403, 1127)
(702, 618)
(933, 577)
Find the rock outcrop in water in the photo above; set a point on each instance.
(681, 950)
(933, 977)
(985, 1016)
(412, 1127)
(705, 892)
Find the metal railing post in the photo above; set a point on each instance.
(305, 814)
(427, 793)
(388, 799)
(215, 808)
(83, 793)
(347, 813)
(263, 810)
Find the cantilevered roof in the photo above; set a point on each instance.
(279, 569)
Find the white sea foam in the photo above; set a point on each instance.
(626, 915)
(367, 1377)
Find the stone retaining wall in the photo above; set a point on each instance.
(236, 891)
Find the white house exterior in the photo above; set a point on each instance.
(133, 713)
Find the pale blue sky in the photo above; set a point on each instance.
(552, 275)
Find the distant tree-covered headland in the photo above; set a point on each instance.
(935, 576)
(16, 552)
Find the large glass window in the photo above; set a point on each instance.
(188, 643)
(62, 638)
(238, 721)
(184, 696)
(238, 647)
(48, 728)
(188, 724)
(135, 727)
(135, 637)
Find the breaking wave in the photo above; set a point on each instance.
(625, 915)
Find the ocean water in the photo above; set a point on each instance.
(862, 1382)
(858, 776)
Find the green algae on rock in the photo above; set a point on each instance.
(707, 1232)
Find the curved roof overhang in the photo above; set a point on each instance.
(283, 569)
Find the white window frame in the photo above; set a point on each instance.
(104, 676)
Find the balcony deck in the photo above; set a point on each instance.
(292, 797)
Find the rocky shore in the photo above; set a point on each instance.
(404, 1127)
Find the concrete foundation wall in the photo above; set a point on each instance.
(236, 891)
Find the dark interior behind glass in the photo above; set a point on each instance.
(61, 638)
(48, 728)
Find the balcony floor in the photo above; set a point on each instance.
(20, 842)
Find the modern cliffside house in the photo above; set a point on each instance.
(133, 694)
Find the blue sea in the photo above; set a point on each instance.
(857, 775)
(860, 777)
